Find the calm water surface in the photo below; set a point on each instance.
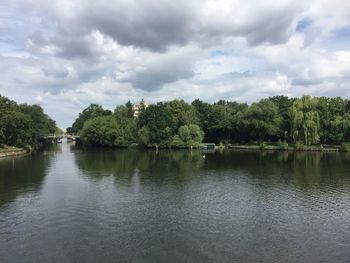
(71, 205)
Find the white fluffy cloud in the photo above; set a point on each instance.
(67, 54)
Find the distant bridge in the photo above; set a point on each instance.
(53, 138)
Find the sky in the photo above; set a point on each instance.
(65, 55)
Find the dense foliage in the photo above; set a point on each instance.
(302, 121)
(23, 124)
(188, 136)
(90, 112)
(102, 130)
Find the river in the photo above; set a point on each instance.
(74, 205)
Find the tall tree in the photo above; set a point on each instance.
(129, 107)
(43, 124)
(157, 118)
(340, 128)
(262, 120)
(22, 125)
(182, 114)
(127, 125)
(328, 109)
(284, 104)
(203, 110)
(18, 129)
(90, 112)
(305, 120)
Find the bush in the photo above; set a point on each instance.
(28, 148)
(300, 147)
(262, 145)
(283, 145)
(345, 147)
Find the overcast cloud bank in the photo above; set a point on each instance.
(65, 55)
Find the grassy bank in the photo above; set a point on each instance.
(10, 151)
(292, 147)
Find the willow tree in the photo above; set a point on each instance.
(188, 136)
(340, 127)
(305, 120)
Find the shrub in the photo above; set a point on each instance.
(283, 145)
(299, 146)
(262, 145)
(345, 147)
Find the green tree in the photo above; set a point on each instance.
(59, 131)
(127, 124)
(221, 121)
(2, 136)
(182, 114)
(158, 119)
(130, 110)
(284, 104)
(278, 118)
(90, 112)
(328, 109)
(340, 128)
(70, 130)
(144, 136)
(305, 120)
(24, 124)
(262, 120)
(188, 136)
(203, 110)
(142, 105)
(225, 122)
(102, 131)
(18, 129)
(43, 124)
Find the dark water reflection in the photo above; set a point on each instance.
(76, 205)
(124, 163)
(22, 175)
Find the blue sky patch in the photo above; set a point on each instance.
(303, 24)
(339, 40)
(218, 53)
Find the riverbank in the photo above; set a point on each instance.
(9, 151)
(313, 148)
(255, 146)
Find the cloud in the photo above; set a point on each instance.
(306, 66)
(67, 54)
(150, 24)
(159, 69)
(158, 25)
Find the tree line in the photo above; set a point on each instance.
(305, 121)
(23, 125)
